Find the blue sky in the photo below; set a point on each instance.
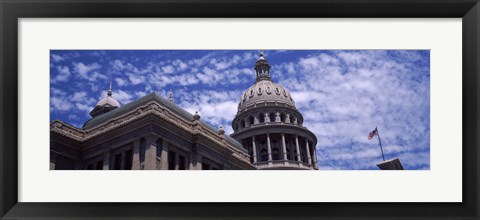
(342, 94)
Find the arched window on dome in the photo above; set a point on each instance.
(282, 117)
(262, 117)
(264, 155)
(293, 120)
(275, 154)
(242, 123)
(251, 120)
(259, 90)
(271, 115)
(269, 90)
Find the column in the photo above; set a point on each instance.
(150, 153)
(298, 149)
(284, 147)
(267, 117)
(315, 158)
(254, 149)
(106, 160)
(269, 148)
(177, 164)
(195, 161)
(308, 152)
(53, 160)
(136, 155)
(164, 155)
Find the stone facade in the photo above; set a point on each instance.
(147, 134)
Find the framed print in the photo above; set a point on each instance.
(286, 109)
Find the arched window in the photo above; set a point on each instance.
(289, 157)
(272, 117)
(282, 117)
(259, 90)
(264, 155)
(251, 120)
(275, 154)
(293, 120)
(295, 158)
(262, 117)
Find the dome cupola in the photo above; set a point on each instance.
(262, 68)
(105, 104)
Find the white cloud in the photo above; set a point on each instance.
(63, 74)
(57, 58)
(60, 104)
(88, 71)
(121, 82)
(135, 79)
(168, 69)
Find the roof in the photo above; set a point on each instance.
(265, 91)
(159, 99)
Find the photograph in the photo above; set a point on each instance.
(240, 110)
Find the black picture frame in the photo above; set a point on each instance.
(12, 10)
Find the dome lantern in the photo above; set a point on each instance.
(262, 68)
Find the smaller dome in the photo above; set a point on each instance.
(108, 101)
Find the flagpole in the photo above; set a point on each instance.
(380, 142)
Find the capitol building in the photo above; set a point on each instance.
(153, 133)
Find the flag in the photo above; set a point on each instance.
(372, 134)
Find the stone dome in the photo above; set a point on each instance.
(108, 101)
(265, 91)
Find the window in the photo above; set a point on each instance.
(277, 91)
(127, 165)
(264, 155)
(181, 163)
(272, 117)
(282, 117)
(171, 160)
(275, 154)
(117, 161)
(262, 118)
(251, 120)
(259, 91)
(289, 157)
(269, 90)
(99, 165)
(205, 166)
